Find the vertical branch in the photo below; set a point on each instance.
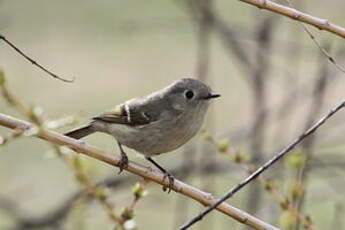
(232, 43)
(200, 12)
(204, 31)
(230, 39)
(318, 96)
(205, 24)
(258, 80)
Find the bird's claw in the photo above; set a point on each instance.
(123, 163)
(171, 182)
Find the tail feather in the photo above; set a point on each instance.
(80, 132)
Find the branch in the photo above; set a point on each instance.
(148, 173)
(308, 148)
(267, 165)
(322, 24)
(317, 43)
(55, 216)
(2, 37)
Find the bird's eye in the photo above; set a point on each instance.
(189, 94)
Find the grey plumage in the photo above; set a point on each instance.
(158, 123)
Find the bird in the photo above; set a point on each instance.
(158, 123)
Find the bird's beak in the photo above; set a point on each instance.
(211, 96)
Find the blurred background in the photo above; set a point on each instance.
(273, 80)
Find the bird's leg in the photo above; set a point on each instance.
(166, 174)
(123, 163)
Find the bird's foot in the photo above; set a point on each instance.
(123, 163)
(171, 182)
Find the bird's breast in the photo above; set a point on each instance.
(157, 137)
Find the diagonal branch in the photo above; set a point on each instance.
(322, 24)
(148, 173)
(267, 165)
(35, 63)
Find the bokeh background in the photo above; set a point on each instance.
(273, 80)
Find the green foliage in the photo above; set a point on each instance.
(268, 185)
(127, 214)
(139, 190)
(296, 189)
(223, 146)
(240, 157)
(77, 163)
(284, 204)
(2, 77)
(287, 220)
(101, 193)
(295, 160)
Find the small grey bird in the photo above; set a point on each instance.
(158, 123)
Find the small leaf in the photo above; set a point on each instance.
(240, 157)
(295, 160)
(268, 186)
(139, 190)
(2, 77)
(284, 204)
(101, 193)
(77, 163)
(127, 214)
(287, 220)
(223, 146)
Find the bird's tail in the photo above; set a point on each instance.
(80, 132)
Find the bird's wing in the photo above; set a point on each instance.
(123, 114)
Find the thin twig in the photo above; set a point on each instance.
(317, 43)
(242, 160)
(56, 215)
(319, 96)
(35, 117)
(72, 162)
(322, 24)
(148, 173)
(2, 37)
(96, 191)
(263, 168)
